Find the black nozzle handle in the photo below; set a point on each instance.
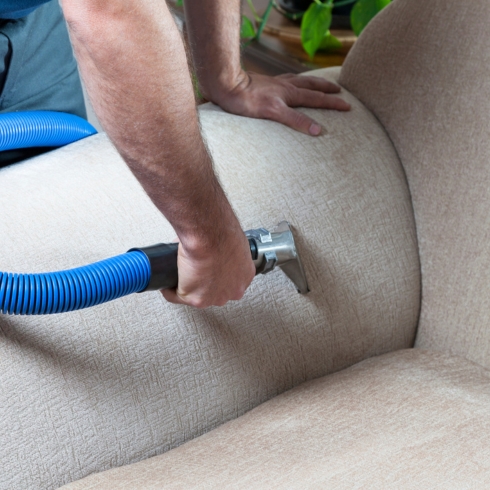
(163, 264)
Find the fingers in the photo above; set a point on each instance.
(311, 98)
(213, 279)
(172, 296)
(313, 83)
(313, 92)
(196, 301)
(296, 120)
(282, 112)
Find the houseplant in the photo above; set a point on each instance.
(315, 20)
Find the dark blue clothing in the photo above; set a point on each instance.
(37, 67)
(15, 9)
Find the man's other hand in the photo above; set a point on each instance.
(274, 98)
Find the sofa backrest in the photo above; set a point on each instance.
(90, 390)
(423, 68)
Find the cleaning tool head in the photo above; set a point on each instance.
(277, 249)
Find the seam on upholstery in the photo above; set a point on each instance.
(368, 109)
(410, 196)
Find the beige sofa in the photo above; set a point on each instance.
(376, 379)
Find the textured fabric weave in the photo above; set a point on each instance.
(407, 420)
(87, 391)
(424, 69)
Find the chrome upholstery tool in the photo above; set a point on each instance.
(277, 249)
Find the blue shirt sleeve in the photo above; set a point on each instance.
(14, 9)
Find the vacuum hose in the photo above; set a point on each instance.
(41, 128)
(141, 269)
(74, 289)
(58, 292)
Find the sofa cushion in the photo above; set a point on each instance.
(410, 419)
(87, 391)
(423, 69)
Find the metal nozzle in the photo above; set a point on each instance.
(268, 251)
(277, 249)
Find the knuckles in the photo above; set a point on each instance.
(199, 303)
(273, 108)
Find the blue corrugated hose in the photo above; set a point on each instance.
(74, 289)
(41, 128)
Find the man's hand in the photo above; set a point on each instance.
(214, 34)
(273, 98)
(211, 277)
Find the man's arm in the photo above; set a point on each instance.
(134, 66)
(214, 34)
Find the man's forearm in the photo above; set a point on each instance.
(133, 63)
(214, 35)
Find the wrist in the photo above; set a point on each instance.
(212, 237)
(218, 87)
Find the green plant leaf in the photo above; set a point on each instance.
(179, 3)
(247, 30)
(314, 26)
(363, 11)
(330, 42)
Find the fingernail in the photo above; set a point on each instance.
(315, 129)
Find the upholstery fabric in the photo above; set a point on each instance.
(423, 68)
(87, 391)
(408, 420)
